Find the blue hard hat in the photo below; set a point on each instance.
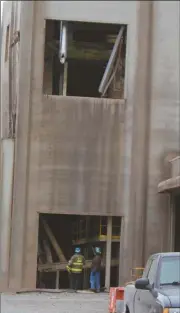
(77, 250)
(98, 250)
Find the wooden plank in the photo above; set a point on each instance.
(85, 283)
(108, 253)
(39, 254)
(52, 267)
(65, 79)
(54, 242)
(99, 52)
(47, 250)
(90, 240)
(62, 266)
(57, 279)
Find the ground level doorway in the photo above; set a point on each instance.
(59, 234)
(177, 223)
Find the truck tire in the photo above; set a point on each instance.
(127, 310)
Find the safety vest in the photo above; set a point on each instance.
(76, 265)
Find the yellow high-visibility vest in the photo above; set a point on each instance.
(76, 264)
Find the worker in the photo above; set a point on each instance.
(96, 267)
(75, 268)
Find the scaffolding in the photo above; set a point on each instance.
(83, 232)
(87, 232)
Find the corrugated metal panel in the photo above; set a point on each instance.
(79, 155)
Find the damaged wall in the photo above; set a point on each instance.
(40, 120)
(40, 160)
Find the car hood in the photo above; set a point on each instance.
(172, 293)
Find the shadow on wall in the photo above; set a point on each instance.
(166, 167)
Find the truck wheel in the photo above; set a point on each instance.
(127, 310)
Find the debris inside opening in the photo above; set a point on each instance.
(60, 234)
(77, 55)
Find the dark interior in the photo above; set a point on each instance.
(84, 77)
(177, 224)
(89, 46)
(62, 227)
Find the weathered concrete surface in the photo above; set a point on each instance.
(162, 137)
(131, 254)
(34, 113)
(54, 303)
(164, 132)
(120, 12)
(77, 171)
(173, 182)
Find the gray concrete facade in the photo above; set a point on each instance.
(146, 127)
(171, 187)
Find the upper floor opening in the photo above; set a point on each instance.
(84, 59)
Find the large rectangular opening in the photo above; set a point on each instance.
(77, 55)
(60, 234)
(177, 223)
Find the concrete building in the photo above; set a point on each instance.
(67, 149)
(171, 186)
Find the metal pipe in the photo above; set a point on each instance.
(109, 66)
(63, 43)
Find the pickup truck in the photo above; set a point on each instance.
(158, 291)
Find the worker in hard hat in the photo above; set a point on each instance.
(75, 268)
(96, 267)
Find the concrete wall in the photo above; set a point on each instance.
(9, 88)
(91, 11)
(33, 134)
(164, 118)
(6, 183)
(6, 21)
(79, 155)
(9, 69)
(156, 133)
(151, 88)
(132, 238)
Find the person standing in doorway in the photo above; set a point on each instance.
(75, 268)
(96, 267)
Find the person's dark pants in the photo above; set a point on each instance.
(75, 281)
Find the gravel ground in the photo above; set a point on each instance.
(54, 303)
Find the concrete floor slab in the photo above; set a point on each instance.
(54, 303)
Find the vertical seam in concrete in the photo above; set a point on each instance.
(28, 149)
(21, 153)
(125, 245)
(11, 216)
(140, 132)
(11, 130)
(31, 237)
(179, 77)
(147, 150)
